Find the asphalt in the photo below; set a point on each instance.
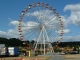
(57, 57)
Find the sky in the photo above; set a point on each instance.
(10, 11)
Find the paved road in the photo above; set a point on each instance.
(57, 57)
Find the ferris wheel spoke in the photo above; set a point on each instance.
(28, 25)
(40, 22)
(31, 34)
(31, 30)
(33, 16)
(52, 34)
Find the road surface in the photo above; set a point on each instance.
(57, 57)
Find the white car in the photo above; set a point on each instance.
(62, 53)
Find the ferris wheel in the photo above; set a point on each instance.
(41, 23)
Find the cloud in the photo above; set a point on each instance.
(75, 17)
(45, 17)
(66, 21)
(2, 34)
(11, 33)
(71, 38)
(66, 38)
(66, 31)
(72, 7)
(75, 13)
(15, 23)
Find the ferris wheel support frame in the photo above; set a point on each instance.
(44, 38)
(43, 30)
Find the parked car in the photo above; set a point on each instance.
(62, 53)
(74, 52)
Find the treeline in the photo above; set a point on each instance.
(17, 42)
(14, 42)
(67, 44)
(70, 44)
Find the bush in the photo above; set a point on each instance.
(57, 50)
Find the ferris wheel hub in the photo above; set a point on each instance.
(40, 25)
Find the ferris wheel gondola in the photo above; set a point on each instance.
(39, 21)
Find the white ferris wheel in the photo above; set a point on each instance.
(41, 23)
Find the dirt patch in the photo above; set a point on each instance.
(26, 58)
(72, 56)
